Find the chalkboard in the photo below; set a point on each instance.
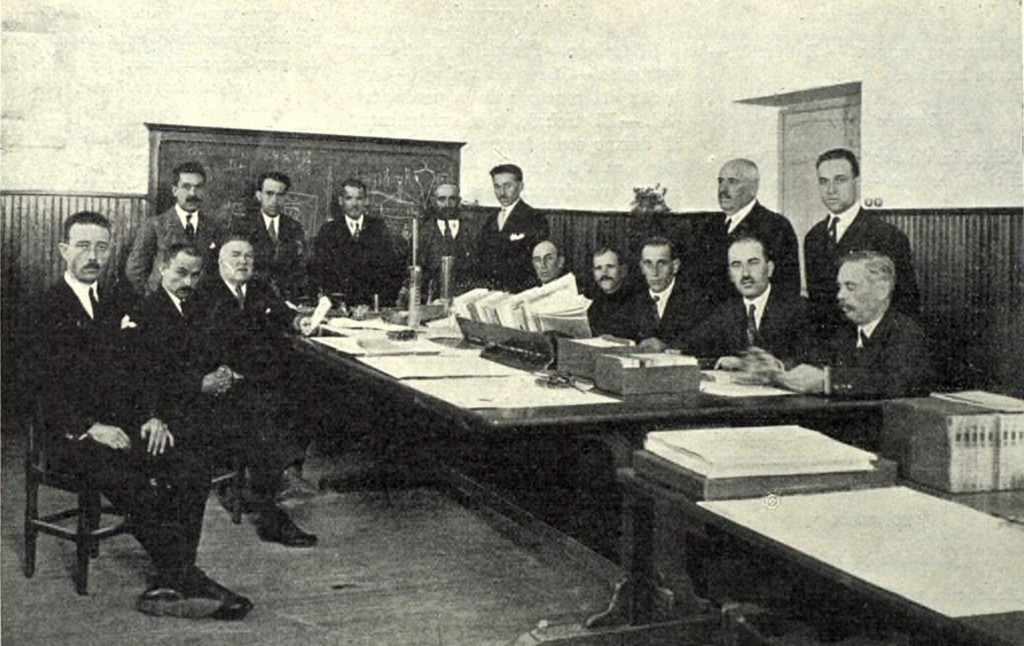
(400, 173)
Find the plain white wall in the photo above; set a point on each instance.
(591, 98)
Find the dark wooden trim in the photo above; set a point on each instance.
(171, 129)
(49, 193)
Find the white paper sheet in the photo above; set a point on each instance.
(740, 390)
(434, 366)
(341, 324)
(984, 399)
(504, 392)
(939, 554)
(379, 345)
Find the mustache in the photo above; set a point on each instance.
(92, 264)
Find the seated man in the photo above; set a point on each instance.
(882, 354)
(664, 313)
(608, 312)
(242, 322)
(93, 423)
(548, 262)
(759, 316)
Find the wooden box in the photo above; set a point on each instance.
(578, 357)
(633, 374)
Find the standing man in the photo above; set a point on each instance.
(609, 310)
(879, 352)
(738, 182)
(665, 312)
(445, 234)
(503, 254)
(93, 423)
(182, 223)
(759, 315)
(242, 323)
(278, 239)
(353, 253)
(847, 228)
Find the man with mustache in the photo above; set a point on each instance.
(759, 316)
(446, 234)
(181, 224)
(508, 236)
(99, 420)
(241, 329)
(744, 215)
(609, 312)
(848, 228)
(880, 351)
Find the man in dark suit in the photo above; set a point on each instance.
(353, 253)
(446, 234)
(759, 316)
(609, 310)
(94, 422)
(279, 240)
(242, 325)
(881, 352)
(182, 223)
(507, 239)
(664, 313)
(738, 181)
(847, 228)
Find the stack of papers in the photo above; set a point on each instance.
(983, 399)
(757, 451)
(556, 306)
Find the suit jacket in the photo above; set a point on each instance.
(357, 268)
(783, 331)
(156, 236)
(866, 233)
(433, 246)
(84, 374)
(281, 264)
(611, 314)
(504, 258)
(250, 339)
(893, 363)
(709, 254)
(686, 307)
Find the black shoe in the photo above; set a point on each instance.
(233, 606)
(275, 526)
(162, 601)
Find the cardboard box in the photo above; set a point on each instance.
(579, 356)
(646, 374)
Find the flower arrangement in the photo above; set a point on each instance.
(649, 199)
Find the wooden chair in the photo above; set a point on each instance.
(86, 532)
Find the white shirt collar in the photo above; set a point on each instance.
(759, 304)
(737, 217)
(846, 218)
(662, 297)
(267, 220)
(453, 226)
(231, 288)
(869, 328)
(175, 300)
(354, 224)
(507, 211)
(81, 291)
(183, 216)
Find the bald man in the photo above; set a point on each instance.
(742, 216)
(548, 262)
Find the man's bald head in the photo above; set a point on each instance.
(737, 184)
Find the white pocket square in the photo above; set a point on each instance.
(516, 236)
(127, 322)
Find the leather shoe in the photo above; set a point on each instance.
(274, 525)
(162, 601)
(233, 606)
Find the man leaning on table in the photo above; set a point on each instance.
(880, 352)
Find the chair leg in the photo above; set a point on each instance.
(95, 513)
(31, 514)
(83, 543)
(237, 485)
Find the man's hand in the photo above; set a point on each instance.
(158, 435)
(652, 345)
(219, 381)
(729, 363)
(803, 379)
(108, 435)
(305, 324)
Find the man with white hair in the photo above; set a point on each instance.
(881, 352)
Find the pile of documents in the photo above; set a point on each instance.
(556, 306)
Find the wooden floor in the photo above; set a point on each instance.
(420, 570)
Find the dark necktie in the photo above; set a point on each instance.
(272, 229)
(448, 232)
(832, 237)
(94, 302)
(751, 325)
(240, 297)
(190, 229)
